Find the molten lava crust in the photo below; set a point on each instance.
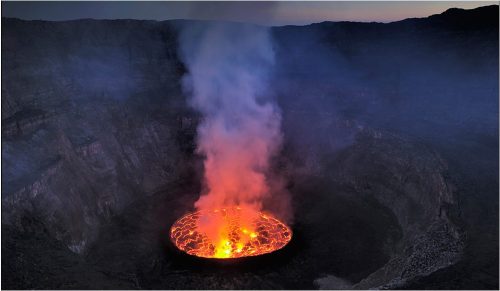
(264, 234)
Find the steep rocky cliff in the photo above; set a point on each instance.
(92, 118)
(410, 179)
(98, 155)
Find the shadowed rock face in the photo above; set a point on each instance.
(408, 178)
(98, 162)
(88, 126)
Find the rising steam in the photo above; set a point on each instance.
(229, 67)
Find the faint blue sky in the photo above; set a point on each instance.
(266, 13)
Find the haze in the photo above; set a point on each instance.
(264, 13)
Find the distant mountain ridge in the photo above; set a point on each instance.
(476, 16)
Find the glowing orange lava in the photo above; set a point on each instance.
(233, 235)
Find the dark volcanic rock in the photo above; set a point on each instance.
(410, 179)
(87, 128)
(98, 156)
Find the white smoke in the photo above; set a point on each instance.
(229, 68)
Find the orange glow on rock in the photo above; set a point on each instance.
(229, 233)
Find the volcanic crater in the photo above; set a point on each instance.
(95, 177)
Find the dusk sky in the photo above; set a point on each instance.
(264, 13)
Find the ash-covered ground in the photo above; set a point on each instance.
(390, 156)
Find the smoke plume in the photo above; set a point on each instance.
(229, 68)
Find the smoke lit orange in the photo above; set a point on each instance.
(230, 233)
